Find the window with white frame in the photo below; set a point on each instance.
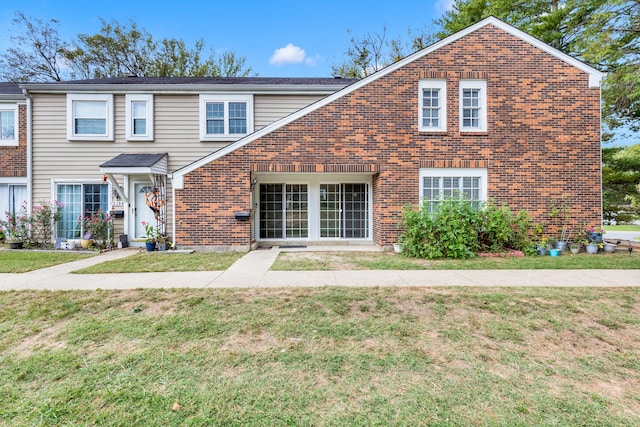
(225, 117)
(432, 112)
(12, 197)
(90, 117)
(139, 116)
(437, 185)
(78, 201)
(8, 124)
(473, 105)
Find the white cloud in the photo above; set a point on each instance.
(290, 54)
(444, 5)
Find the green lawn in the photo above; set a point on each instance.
(160, 261)
(325, 356)
(23, 261)
(291, 261)
(626, 227)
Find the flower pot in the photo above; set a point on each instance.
(574, 249)
(554, 252)
(561, 246)
(594, 237)
(542, 251)
(85, 243)
(162, 246)
(609, 247)
(592, 248)
(151, 246)
(398, 248)
(15, 245)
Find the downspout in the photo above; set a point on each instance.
(173, 213)
(29, 152)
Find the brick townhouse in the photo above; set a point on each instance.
(490, 112)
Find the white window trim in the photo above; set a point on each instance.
(56, 181)
(16, 129)
(226, 99)
(433, 84)
(108, 98)
(129, 100)
(455, 172)
(482, 86)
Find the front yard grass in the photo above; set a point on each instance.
(24, 260)
(145, 262)
(324, 356)
(297, 261)
(622, 227)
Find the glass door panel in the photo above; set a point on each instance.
(284, 211)
(355, 211)
(344, 211)
(330, 210)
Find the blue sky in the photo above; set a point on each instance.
(278, 38)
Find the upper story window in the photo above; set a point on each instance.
(473, 106)
(432, 112)
(225, 117)
(139, 116)
(8, 124)
(90, 117)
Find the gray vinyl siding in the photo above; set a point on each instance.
(176, 131)
(269, 108)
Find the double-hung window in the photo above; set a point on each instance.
(79, 200)
(437, 185)
(473, 106)
(139, 116)
(432, 111)
(8, 124)
(225, 117)
(90, 117)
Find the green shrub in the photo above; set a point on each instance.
(502, 229)
(459, 229)
(451, 231)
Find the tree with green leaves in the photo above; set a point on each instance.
(621, 182)
(374, 51)
(602, 33)
(36, 52)
(116, 50)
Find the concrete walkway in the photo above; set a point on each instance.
(252, 271)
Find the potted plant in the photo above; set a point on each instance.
(162, 241)
(593, 239)
(559, 215)
(543, 246)
(574, 247)
(16, 227)
(151, 236)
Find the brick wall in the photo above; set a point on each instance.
(542, 142)
(13, 159)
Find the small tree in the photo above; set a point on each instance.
(43, 221)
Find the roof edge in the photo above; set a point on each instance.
(595, 77)
(181, 88)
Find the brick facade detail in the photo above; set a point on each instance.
(13, 159)
(542, 141)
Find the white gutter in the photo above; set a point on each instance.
(29, 151)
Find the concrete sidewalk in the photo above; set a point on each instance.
(252, 271)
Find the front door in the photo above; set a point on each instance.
(142, 212)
